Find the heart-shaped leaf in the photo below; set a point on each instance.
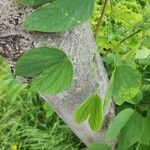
(92, 110)
(59, 16)
(50, 67)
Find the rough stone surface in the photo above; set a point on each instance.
(79, 45)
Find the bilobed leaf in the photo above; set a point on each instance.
(50, 67)
(126, 84)
(59, 16)
(33, 2)
(132, 131)
(92, 110)
(99, 147)
(145, 137)
(84, 110)
(118, 123)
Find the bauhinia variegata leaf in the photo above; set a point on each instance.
(50, 67)
(59, 16)
(92, 110)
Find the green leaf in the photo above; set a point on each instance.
(37, 60)
(33, 2)
(59, 16)
(55, 79)
(145, 137)
(91, 109)
(131, 133)
(99, 147)
(51, 68)
(118, 123)
(126, 84)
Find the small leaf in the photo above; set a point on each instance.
(59, 16)
(132, 131)
(51, 68)
(91, 109)
(33, 2)
(118, 123)
(99, 147)
(126, 84)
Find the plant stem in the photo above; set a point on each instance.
(100, 18)
(131, 35)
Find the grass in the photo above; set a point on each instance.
(25, 124)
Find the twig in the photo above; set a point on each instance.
(131, 35)
(100, 18)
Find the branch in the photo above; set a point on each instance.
(100, 18)
(131, 35)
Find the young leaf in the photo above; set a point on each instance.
(51, 68)
(131, 132)
(91, 109)
(99, 147)
(33, 2)
(59, 16)
(118, 123)
(126, 84)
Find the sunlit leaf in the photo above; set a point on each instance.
(92, 110)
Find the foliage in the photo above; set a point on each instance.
(92, 109)
(59, 16)
(49, 67)
(123, 42)
(27, 121)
